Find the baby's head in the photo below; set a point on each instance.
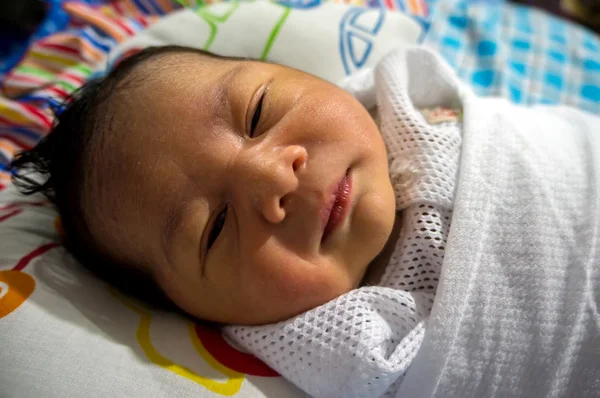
(242, 191)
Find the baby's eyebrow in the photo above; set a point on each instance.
(221, 106)
(173, 222)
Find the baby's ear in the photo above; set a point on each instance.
(59, 228)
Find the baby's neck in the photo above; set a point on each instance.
(377, 267)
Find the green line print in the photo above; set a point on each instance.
(69, 87)
(212, 21)
(35, 71)
(275, 33)
(83, 68)
(186, 3)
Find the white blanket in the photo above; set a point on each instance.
(516, 312)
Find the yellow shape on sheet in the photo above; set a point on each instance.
(207, 356)
(14, 116)
(227, 388)
(54, 58)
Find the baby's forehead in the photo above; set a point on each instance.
(162, 71)
(168, 103)
(180, 59)
(149, 119)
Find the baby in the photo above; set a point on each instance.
(248, 193)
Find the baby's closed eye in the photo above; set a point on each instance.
(216, 227)
(255, 111)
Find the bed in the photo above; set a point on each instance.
(62, 332)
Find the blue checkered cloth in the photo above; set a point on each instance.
(518, 52)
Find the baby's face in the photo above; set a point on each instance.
(252, 192)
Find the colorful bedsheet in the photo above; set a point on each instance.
(13, 45)
(58, 63)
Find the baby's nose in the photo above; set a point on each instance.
(277, 177)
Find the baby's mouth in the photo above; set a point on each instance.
(337, 206)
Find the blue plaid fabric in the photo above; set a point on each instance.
(517, 52)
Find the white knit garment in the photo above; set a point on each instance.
(362, 343)
(516, 312)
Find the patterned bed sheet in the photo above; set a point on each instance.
(73, 40)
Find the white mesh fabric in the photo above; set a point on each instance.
(354, 346)
(423, 158)
(419, 253)
(362, 343)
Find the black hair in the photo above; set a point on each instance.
(59, 168)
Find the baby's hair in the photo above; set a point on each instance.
(59, 168)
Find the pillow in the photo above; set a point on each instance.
(328, 40)
(63, 333)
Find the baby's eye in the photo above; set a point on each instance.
(256, 116)
(216, 229)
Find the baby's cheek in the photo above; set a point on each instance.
(283, 276)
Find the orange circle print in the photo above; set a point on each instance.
(15, 285)
(15, 288)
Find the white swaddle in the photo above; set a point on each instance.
(515, 310)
